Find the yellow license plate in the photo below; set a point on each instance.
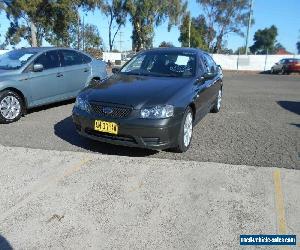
(107, 127)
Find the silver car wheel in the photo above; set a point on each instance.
(219, 99)
(187, 130)
(10, 107)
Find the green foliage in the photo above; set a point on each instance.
(264, 41)
(240, 50)
(145, 14)
(52, 19)
(165, 44)
(92, 38)
(224, 17)
(199, 31)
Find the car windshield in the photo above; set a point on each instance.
(15, 59)
(166, 64)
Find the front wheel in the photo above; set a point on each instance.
(218, 102)
(11, 106)
(186, 132)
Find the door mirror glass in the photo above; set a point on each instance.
(208, 75)
(38, 67)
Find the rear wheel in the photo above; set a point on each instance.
(282, 71)
(11, 106)
(186, 132)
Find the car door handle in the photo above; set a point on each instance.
(86, 70)
(59, 75)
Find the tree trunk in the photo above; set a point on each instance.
(137, 37)
(33, 34)
(109, 31)
(218, 45)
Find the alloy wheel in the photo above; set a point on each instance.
(10, 107)
(187, 129)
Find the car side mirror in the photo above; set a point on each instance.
(38, 67)
(115, 70)
(208, 75)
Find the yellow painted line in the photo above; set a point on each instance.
(279, 202)
(280, 211)
(75, 168)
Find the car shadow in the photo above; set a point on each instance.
(65, 130)
(4, 244)
(49, 106)
(266, 72)
(290, 106)
(295, 124)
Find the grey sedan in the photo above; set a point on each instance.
(33, 77)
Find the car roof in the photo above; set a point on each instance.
(176, 49)
(41, 49)
(290, 59)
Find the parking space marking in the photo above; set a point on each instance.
(279, 202)
(280, 211)
(43, 186)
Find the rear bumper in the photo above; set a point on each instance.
(293, 68)
(143, 133)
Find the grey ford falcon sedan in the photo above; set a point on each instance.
(31, 77)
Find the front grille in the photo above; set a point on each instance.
(124, 138)
(115, 111)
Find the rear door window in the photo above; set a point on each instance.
(70, 58)
(86, 59)
(209, 64)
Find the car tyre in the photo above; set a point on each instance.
(218, 102)
(11, 106)
(186, 132)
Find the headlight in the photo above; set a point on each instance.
(81, 103)
(157, 112)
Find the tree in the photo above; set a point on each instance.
(35, 20)
(198, 32)
(145, 14)
(264, 41)
(298, 47)
(240, 50)
(91, 35)
(115, 11)
(117, 14)
(224, 17)
(165, 44)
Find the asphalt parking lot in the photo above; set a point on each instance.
(257, 126)
(240, 176)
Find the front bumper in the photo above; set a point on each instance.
(133, 132)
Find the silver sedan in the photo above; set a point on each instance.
(33, 77)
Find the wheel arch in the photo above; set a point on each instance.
(193, 108)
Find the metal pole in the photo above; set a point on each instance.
(249, 25)
(237, 62)
(266, 60)
(83, 33)
(78, 31)
(190, 23)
